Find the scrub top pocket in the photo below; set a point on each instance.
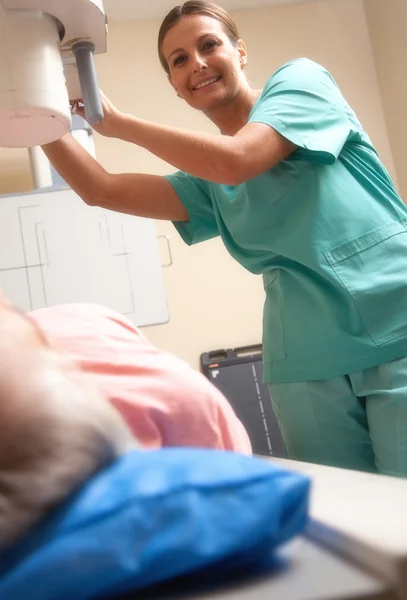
(373, 268)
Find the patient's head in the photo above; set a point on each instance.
(54, 431)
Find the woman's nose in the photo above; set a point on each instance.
(199, 64)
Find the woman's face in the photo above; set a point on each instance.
(206, 69)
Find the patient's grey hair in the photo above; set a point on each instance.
(55, 433)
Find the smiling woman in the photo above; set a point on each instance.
(280, 187)
(207, 69)
(205, 42)
(208, 62)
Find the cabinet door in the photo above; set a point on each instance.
(55, 250)
(19, 251)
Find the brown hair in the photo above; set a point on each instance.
(196, 7)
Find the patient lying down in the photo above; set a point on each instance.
(54, 431)
(80, 386)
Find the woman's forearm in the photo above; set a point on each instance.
(203, 155)
(77, 167)
(133, 193)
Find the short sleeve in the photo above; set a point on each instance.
(304, 104)
(195, 195)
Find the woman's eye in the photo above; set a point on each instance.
(209, 45)
(179, 60)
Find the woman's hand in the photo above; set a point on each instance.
(112, 116)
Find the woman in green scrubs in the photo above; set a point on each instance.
(298, 194)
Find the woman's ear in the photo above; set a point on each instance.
(242, 53)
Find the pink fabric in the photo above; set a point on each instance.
(164, 401)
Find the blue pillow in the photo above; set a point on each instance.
(152, 516)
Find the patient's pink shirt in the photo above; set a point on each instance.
(164, 401)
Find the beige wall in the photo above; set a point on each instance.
(387, 21)
(15, 174)
(213, 302)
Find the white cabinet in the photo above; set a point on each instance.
(54, 249)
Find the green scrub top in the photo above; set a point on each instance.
(325, 227)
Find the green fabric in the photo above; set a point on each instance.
(326, 229)
(356, 422)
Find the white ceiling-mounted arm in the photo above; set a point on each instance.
(46, 58)
(79, 20)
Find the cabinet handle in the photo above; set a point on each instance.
(44, 240)
(168, 264)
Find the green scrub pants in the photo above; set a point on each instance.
(357, 421)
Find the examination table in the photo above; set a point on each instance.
(355, 546)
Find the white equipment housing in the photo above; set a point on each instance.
(46, 62)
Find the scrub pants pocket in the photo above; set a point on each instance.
(385, 391)
(323, 422)
(358, 421)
